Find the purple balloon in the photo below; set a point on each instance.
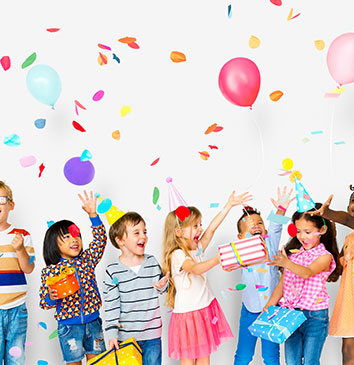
(79, 172)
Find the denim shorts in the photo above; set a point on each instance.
(76, 340)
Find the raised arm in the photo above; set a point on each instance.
(199, 268)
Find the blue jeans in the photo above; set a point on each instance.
(247, 342)
(151, 351)
(76, 340)
(305, 345)
(13, 328)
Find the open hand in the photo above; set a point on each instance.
(283, 199)
(324, 207)
(281, 260)
(89, 204)
(162, 282)
(239, 199)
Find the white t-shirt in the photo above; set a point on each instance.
(192, 291)
(135, 268)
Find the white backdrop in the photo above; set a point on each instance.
(172, 105)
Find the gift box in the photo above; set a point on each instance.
(277, 324)
(66, 283)
(129, 353)
(249, 251)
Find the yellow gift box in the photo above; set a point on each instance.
(129, 353)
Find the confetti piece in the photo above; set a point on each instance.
(214, 205)
(53, 334)
(276, 2)
(177, 57)
(127, 40)
(125, 110)
(5, 62)
(42, 324)
(170, 311)
(229, 11)
(29, 60)
(98, 95)
(15, 351)
(86, 155)
(115, 281)
(104, 206)
(155, 162)
(261, 270)
(79, 104)
(31, 260)
(155, 195)
(332, 95)
(290, 14)
(213, 147)
(214, 320)
(218, 129)
(294, 250)
(340, 142)
(40, 123)
(1, 254)
(292, 230)
(265, 288)
(102, 59)
(240, 286)
(115, 57)
(259, 286)
(76, 110)
(307, 197)
(158, 207)
(116, 135)
(199, 252)
(287, 164)
(211, 128)
(12, 140)
(250, 269)
(27, 161)
(248, 235)
(74, 230)
(102, 46)
(276, 95)
(224, 296)
(319, 300)
(276, 218)
(254, 42)
(52, 30)
(265, 297)
(305, 140)
(320, 45)
(78, 126)
(133, 45)
(41, 168)
(295, 16)
(266, 236)
(204, 155)
(338, 90)
(232, 289)
(29, 343)
(42, 362)
(50, 223)
(316, 132)
(285, 173)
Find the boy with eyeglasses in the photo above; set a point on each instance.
(16, 260)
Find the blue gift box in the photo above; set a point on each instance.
(277, 324)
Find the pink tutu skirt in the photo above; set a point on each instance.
(197, 333)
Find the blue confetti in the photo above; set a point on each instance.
(317, 132)
(223, 295)
(199, 252)
(31, 260)
(116, 58)
(158, 207)
(214, 205)
(104, 206)
(276, 218)
(250, 269)
(341, 142)
(42, 324)
(1, 254)
(50, 223)
(263, 289)
(12, 140)
(86, 155)
(39, 123)
(42, 362)
(229, 11)
(248, 235)
(115, 281)
(244, 220)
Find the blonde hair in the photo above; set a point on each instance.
(171, 243)
(7, 189)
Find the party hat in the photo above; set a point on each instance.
(176, 202)
(111, 212)
(303, 199)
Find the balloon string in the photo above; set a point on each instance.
(331, 137)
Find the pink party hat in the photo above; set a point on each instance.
(176, 202)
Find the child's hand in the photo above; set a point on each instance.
(283, 199)
(239, 199)
(53, 294)
(324, 207)
(89, 204)
(17, 242)
(113, 343)
(281, 260)
(162, 282)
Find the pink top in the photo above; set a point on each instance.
(311, 293)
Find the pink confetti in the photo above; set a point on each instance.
(259, 286)
(332, 95)
(307, 197)
(29, 343)
(133, 45)
(102, 46)
(170, 311)
(5, 62)
(27, 161)
(285, 173)
(15, 351)
(76, 110)
(98, 96)
(215, 319)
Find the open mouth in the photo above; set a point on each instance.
(196, 239)
(141, 245)
(257, 231)
(74, 247)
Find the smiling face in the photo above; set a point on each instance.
(308, 233)
(350, 208)
(252, 224)
(134, 240)
(5, 210)
(192, 233)
(69, 246)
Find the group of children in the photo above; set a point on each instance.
(295, 276)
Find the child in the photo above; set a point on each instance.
(313, 260)
(79, 324)
(342, 320)
(197, 325)
(16, 260)
(253, 301)
(131, 297)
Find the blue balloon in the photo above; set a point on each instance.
(44, 84)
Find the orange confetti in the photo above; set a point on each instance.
(319, 300)
(102, 59)
(79, 105)
(254, 42)
(276, 95)
(290, 14)
(204, 155)
(177, 56)
(211, 128)
(116, 135)
(127, 40)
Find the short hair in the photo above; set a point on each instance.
(246, 211)
(7, 189)
(51, 251)
(119, 227)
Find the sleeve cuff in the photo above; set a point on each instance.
(95, 221)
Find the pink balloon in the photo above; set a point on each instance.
(239, 81)
(340, 59)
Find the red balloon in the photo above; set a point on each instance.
(292, 230)
(239, 81)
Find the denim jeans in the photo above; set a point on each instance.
(13, 328)
(151, 351)
(305, 345)
(76, 340)
(247, 342)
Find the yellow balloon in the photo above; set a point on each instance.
(287, 164)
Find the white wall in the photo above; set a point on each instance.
(172, 105)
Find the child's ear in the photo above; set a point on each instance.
(118, 241)
(323, 230)
(12, 205)
(239, 236)
(178, 232)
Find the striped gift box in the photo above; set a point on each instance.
(249, 251)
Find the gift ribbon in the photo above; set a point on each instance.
(121, 346)
(64, 272)
(272, 326)
(237, 256)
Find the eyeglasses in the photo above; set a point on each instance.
(4, 200)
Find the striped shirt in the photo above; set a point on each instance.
(13, 285)
(132, 307)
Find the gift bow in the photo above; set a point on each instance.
(115, 353)
(273, 325)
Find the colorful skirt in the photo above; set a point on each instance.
(198, 333)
